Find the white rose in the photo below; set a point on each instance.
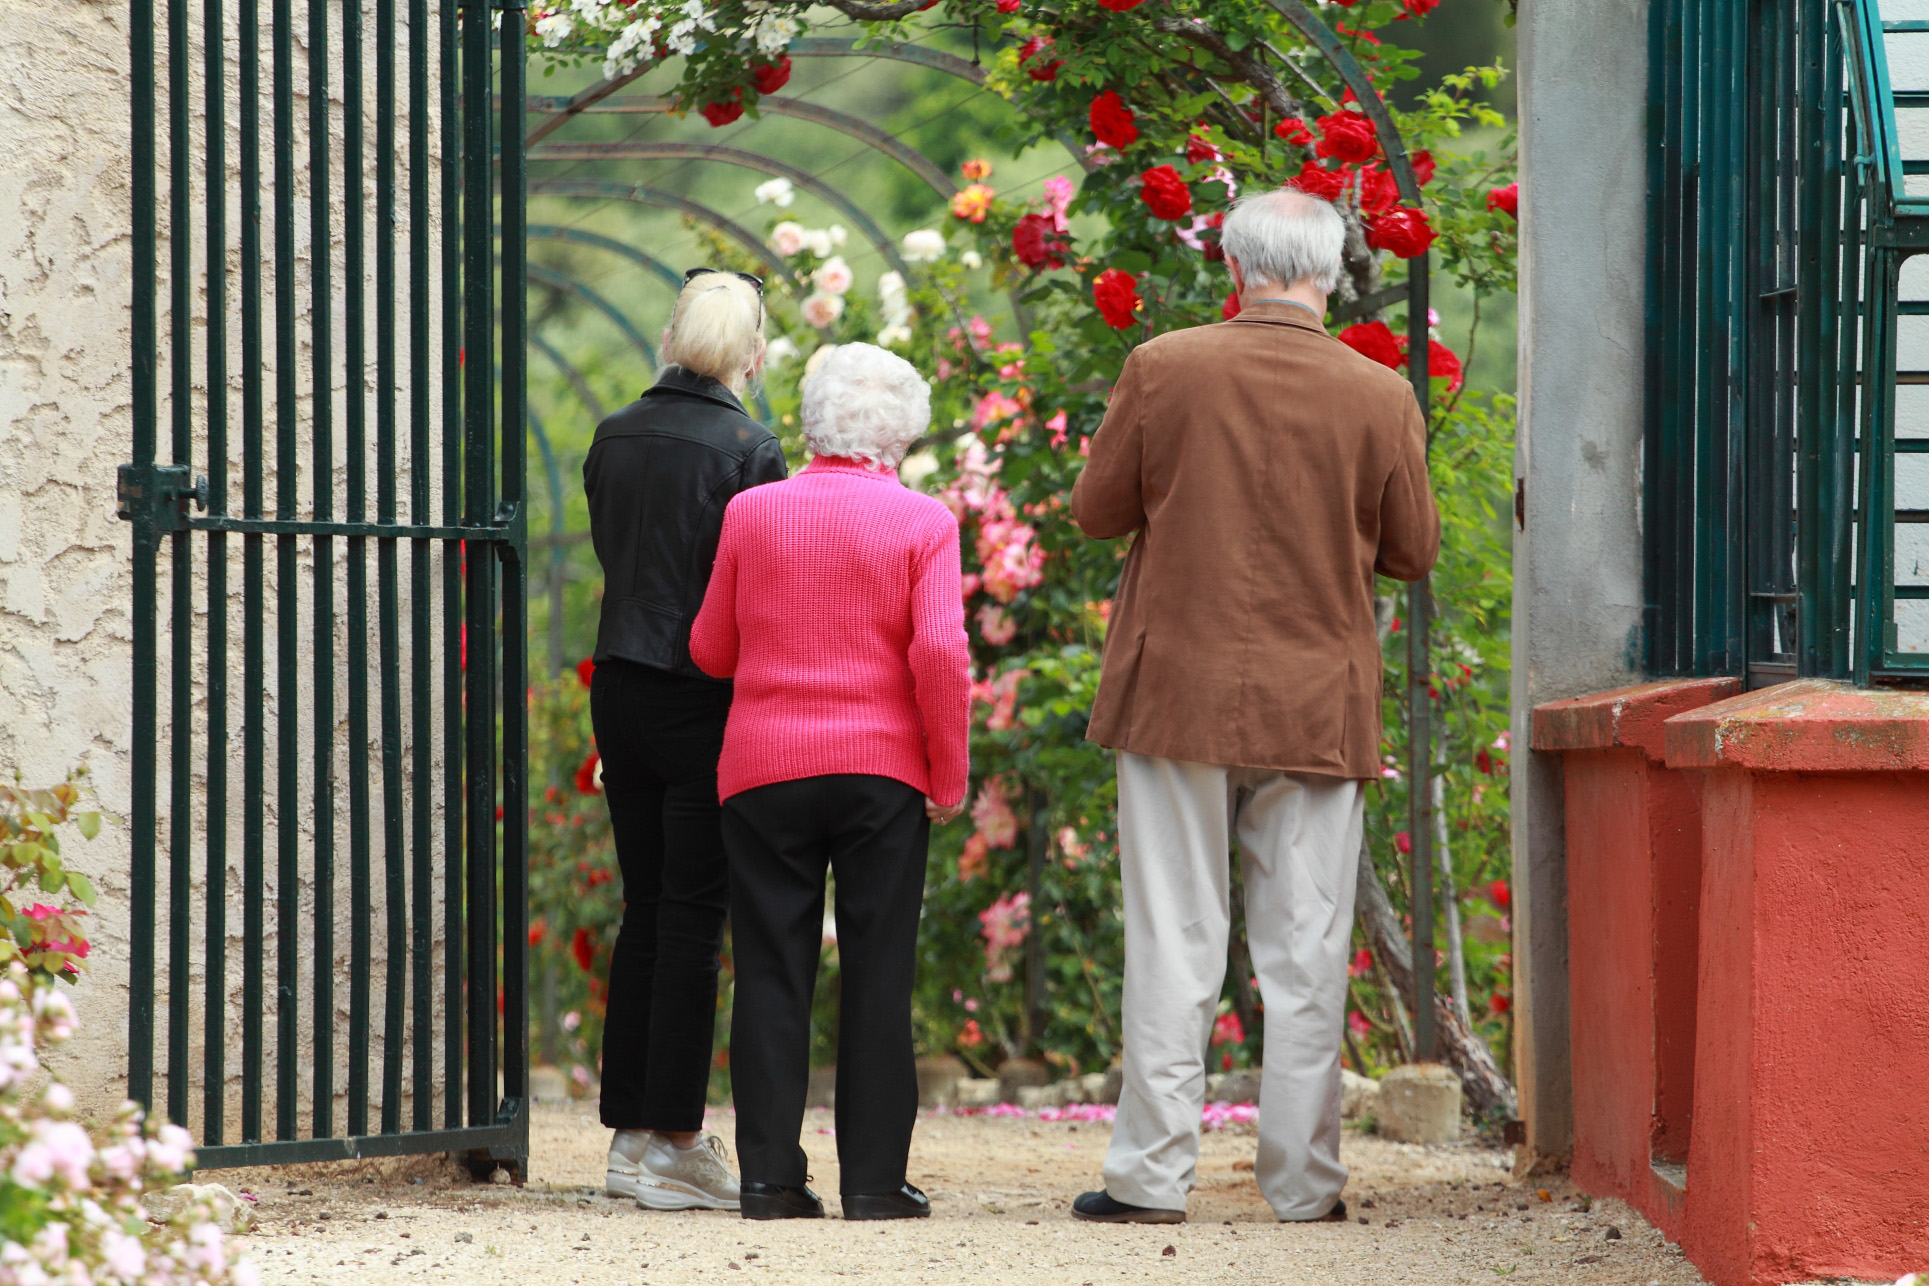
(777, 192)
(818, 242)
(837, 234)
(834, 276)
(972, 259)
(924, 245)
(787, 238)
(781, 350)
(555, 29)
(817, 358)
(891, 283)
(892, 336)
(821, 310)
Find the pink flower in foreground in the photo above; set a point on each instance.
(995, 625)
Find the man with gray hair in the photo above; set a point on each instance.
(1268, 472)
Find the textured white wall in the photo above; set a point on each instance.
(64, 426)
(1577, 555)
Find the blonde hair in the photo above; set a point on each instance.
(717, 329)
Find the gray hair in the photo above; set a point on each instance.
(1286, 236)
(863, 403)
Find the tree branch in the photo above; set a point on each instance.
(1488, 1090)
(1244, 66)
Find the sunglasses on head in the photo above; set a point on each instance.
(691, 274)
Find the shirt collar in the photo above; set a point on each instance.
(1279, 313)
(843, 464)
(675, 379)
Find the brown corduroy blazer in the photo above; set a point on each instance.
(1269, 471)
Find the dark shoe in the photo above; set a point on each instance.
(1099, 1207)
(906, 1203)
(1336, 1215)
(773, 1201)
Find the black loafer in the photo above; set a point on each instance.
(1099, 1207)
(906, 1203)
(774, 1201)
(1336, 1215)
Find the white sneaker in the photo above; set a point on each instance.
(663, 1176)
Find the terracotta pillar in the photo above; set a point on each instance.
(1633, 877)
(1809, 1154)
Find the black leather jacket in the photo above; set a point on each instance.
(658, 475)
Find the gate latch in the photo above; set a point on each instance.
(159, 494)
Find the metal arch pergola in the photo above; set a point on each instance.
(1414, 291)
(569, 285)
(639, 194)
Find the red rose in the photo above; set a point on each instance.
(1117, 295)
(1403, 842)
(1378, 190)
(1165, 192)
(1043, 70)
(1294, 131)
(1404, 231)
(1507, 199)
(583, 949)
(1503, 896)
(1009, 6)
(585, 668)
(771, 77)
(1442, 361)
(1230, 309)
(1315, 180)
(1199, 149)
(1035, 242)
(1120, 6)
(1419, 8)
(721, 114)
(1214, 251)
(1422, 162)
(1499, 1003)
(1347, 136)
(586, 776)
(1374, 340)
(1113, 123)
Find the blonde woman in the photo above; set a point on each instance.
(658, 476)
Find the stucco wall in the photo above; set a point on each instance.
(65, 401)
(1577, 551)
(65, 561)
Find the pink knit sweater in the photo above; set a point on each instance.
(835, 605)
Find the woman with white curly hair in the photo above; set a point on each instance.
(836, 607)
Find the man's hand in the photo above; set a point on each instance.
(939, 813)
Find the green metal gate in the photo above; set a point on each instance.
(357, 284)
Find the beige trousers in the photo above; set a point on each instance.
(1299, 840)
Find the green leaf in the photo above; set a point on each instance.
(82, 887)
(89, 824)
(52, 879)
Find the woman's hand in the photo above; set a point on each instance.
(939, 813)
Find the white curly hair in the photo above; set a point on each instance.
(865, 404)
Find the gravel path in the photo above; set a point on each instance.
(1001, 1189)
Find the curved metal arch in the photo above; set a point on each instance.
(550, 277)
(584, 393)
(666, 151)
(935, 59)
(584, 237)
(641, 195)
(851, 126)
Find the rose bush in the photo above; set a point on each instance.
(1175, 114)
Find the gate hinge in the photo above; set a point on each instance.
(513, 518)
(158, 494)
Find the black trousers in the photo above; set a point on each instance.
(659, 735)
(873, 834)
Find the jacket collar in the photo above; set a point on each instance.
(1279, 313)
(842, 464)
(675, 379)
